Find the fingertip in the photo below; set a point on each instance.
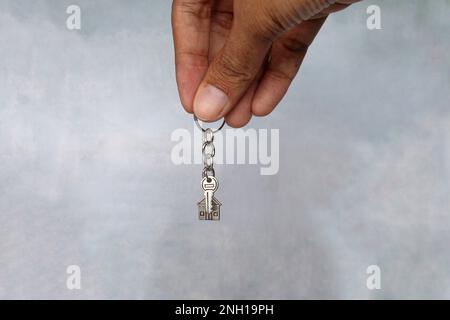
(210, 102)
(185, 102)
(258, 112)
(271, 90)
(266, 99)
(242, 112)
(238, 121)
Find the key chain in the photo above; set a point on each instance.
(209, 206)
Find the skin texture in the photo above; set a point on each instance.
(237, 58)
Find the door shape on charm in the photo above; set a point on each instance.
(215, 210)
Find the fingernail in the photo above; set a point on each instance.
(209, 102)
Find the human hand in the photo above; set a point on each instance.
(237, 58)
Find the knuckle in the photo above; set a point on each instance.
(259, 20)
(223, 19)
(275, 24)
(230, 72)
(273, 20)
(294, 45)
(280, 75)
(265, 26)
(199, 8)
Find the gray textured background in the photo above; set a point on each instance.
(86, 176)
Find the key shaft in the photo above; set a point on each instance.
(209, 185)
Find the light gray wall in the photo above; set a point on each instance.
(86, 176)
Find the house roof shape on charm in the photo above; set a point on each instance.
(215, 202)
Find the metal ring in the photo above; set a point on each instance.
(212, 151)
(207, 170)
(203, 129)
(208, 136)
(208, 162)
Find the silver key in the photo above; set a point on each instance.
(209, 186)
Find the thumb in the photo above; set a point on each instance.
(230, 73)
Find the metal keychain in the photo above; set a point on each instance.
(209, 206)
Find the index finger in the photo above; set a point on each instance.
(190, 25)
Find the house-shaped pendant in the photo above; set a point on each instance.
(215, 210)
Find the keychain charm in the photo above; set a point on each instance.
(209, 206)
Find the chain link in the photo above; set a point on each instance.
(208, 149)
(208, 152)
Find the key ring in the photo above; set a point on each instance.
(203, 129)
